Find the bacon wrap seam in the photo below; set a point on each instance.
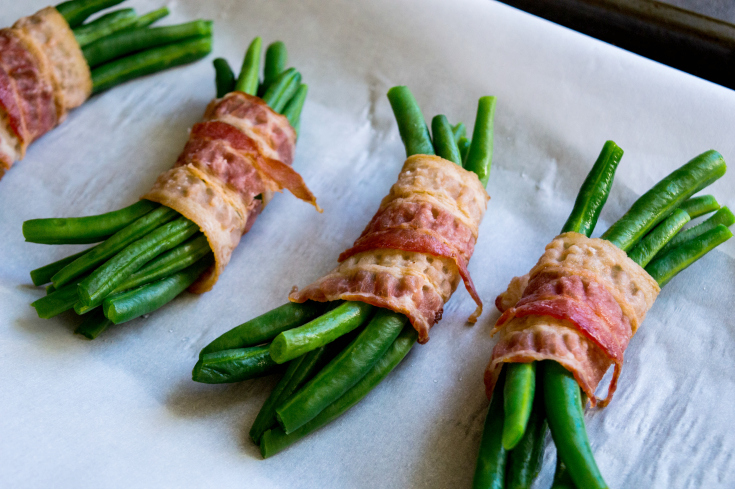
(43, 74)
(413, 253)
(241, 150)
(579, 306)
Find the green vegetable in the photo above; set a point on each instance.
(524, 461)
(654, 241)
(492, 459)
(93, 290)
(723, 216)
(464, 148)
(43, 275)
(234, 365)
(352, 364)
(276, 440)
(83, 230)
(137, 302)
(224, 77)
(266, 326)
(411, 124)
(276, 58)
(147, 62)
(104, 26)
(680, 257)
(93, 325)
(480, 156)
(668, 194)
(563, 404)
(247, 81)
(278, 92)
(322, 330)
(147, 19)
(444, 143)
(698, 206)
(112, 245)
(594, 192)
(459, 131)
(520, 383)
(179, 258)
(76, 11)
(562, 479)
(292, 111)
(56, 302)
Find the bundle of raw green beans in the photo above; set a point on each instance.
(120, 45)
(147, 253)
(530, 396)
(334, 354)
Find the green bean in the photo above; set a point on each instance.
(124, 43)
(43, 275)
(93, 325)
(279, 104)
(723, 216)
(322, 330)
(563, 404)
(292, 111)
(146, 299)
(594, 192)
(56, 302)
(224, 77)
(276, 440)
(101, 282)
(148, 62)
(247, 81)
(459, 131)
(122, 238)
(411, 125)
(524, 461)
(480, 156)
(445, 145)
(668, 194)
(83, 230)
(76, 11)
(654, 241)
(151, 17)
(104, 26)
(492, 458)
(81, 309)
(299, 371)
(235, 365)
(279, 86)
(520, 384)
(179, 258)
(698, 206)
(562, 479)
(464, 148)
(266, 326)
(276, 58)
(352, 364)
(666, 267)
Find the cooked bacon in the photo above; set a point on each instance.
(580, 305)
(224, 168)
(413, 252)
(43, 74)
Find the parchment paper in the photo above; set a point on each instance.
(121, 411)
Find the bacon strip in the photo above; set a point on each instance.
(579, 305)
(43, 74)
(414, 251)
(225, 175)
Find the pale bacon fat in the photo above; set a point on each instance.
(414, 252)
(224, 168)
(579, 306)
(43, 74)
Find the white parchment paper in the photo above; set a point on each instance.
(121, 411)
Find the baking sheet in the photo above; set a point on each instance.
(121, 411)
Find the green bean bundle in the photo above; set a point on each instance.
(571, 284)
(321, 381)
(71, 60)
(151, 251)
